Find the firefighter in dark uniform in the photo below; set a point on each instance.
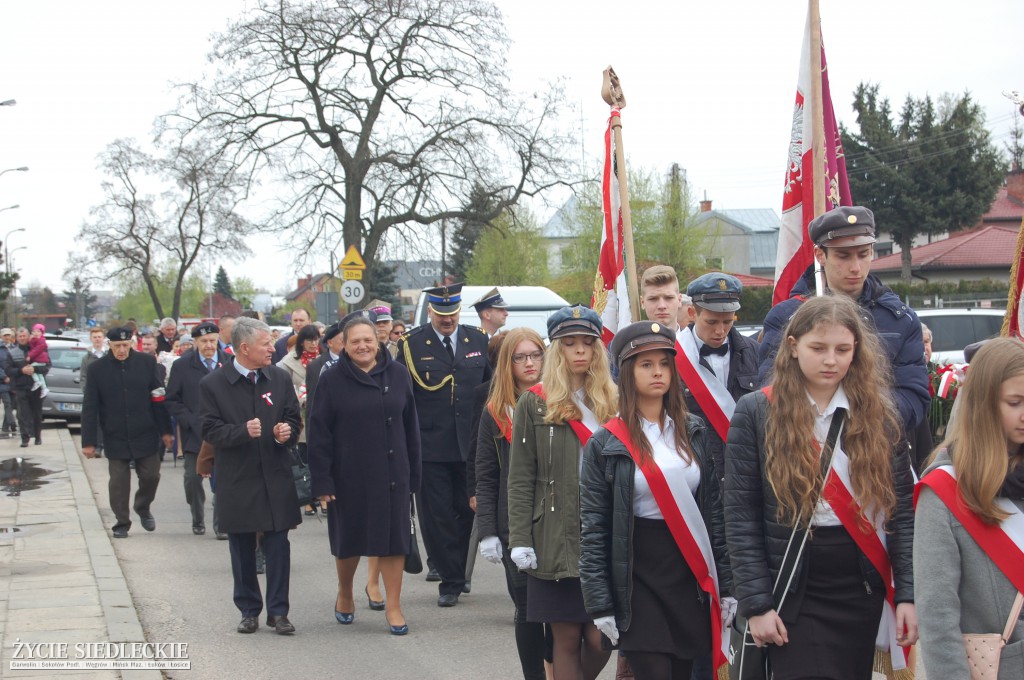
(446, 361)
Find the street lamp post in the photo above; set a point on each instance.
(7, 255)
(21, 169)
(8, 102)
(10, 207)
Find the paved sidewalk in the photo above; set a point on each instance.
(60, 581)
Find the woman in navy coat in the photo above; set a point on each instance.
(364, 457)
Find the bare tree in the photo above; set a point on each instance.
(137, 233)
(383, 115)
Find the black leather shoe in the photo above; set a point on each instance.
(249, 625)
(467, 586)
(280, 624)
(221, 536)
(120, 532)
(433, 576)
(24, 443)
(148, 522)
(199, 531)
(448, 600)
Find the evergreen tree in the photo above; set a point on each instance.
(222, 284)
(7, 282)
(380, 285)
(510, 252)
(467, 232)
(929, 170)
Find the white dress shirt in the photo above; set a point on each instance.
(824, 515)
(676, 470)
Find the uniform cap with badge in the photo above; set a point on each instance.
(205, 328)
(365, 313)
(843, 227)
(332, 331)
(716, 292)
(119, 334)
(575, 320)
(445, 300)
(491, 298)
(381, 309)
(642, 336)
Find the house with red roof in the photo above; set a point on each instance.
(982, 253)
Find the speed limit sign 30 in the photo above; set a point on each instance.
(352, 291)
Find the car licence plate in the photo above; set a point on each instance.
(68, 406)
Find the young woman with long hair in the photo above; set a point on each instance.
(968, 559)
(551, 424)
(653, 559)
(517, 369)
(853, 581)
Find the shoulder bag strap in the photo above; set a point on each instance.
(790, 559)
(1011, 622)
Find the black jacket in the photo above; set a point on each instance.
(757, 540)
(606, 515)
(19, 360)
(183, 395)
(125, 399)
(480, 393)
(742, 380)
(445, 410)
(491, 479)
(255, 487)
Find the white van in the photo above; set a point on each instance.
(528, 306)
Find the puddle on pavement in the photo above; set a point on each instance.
(18, 474)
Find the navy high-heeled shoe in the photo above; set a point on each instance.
(343, 618)
(396, 630)
(375, 605)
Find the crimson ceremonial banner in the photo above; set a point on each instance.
(796, 252)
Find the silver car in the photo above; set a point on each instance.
(64, 380)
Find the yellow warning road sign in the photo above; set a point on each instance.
(352, 260)
(351, 275)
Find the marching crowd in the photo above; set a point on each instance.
(687, 497)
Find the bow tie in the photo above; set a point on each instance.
(707, 349)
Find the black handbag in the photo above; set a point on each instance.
(413, 562)
(750, 662)
(300, 475)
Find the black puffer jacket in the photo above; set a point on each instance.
(606, 514)
(756, 539)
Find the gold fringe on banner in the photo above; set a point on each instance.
(723, 672)
(1014, 294)
(883, 665)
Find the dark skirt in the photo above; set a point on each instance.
(559, 601)
(833, 634)
(670, 613)
(384, 537)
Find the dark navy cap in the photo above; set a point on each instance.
(332, 330)
(491, 298)
(381, 309)
(575, 320)
(205, 328)
(119, 333)
(367, 313)
(642, 336)
(445, 300)
(843, 227)
(716, 292)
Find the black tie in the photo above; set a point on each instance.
(448, 346)
(252, 376)
(707, 349)
(209, 365)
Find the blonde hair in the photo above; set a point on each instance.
(658, 275)
(600, 392)
(976, 440)
(501, 398)
(792, 459)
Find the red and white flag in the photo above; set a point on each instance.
(796, 252)
(610, 299)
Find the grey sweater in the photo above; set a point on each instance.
(958, 590)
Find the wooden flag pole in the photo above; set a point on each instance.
(818, 173)
(611, 92)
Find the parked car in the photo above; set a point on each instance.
(955, 328)
(528, 306)
(64, 380)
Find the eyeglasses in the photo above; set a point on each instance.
(535, 357)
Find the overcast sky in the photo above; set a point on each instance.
(709, 85)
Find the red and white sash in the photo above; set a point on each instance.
(682, 515)
(712, 396)
(583, 433)
(1003, 543)
(870, 538)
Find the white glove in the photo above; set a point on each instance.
(606, 624)
(490, 549)
(525, 558)
(729, 605)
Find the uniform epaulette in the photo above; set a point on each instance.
(477, 328)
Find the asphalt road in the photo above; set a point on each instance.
(181, 586)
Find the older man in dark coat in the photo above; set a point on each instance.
(183, 404)
(249, 413)
(124, 397)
